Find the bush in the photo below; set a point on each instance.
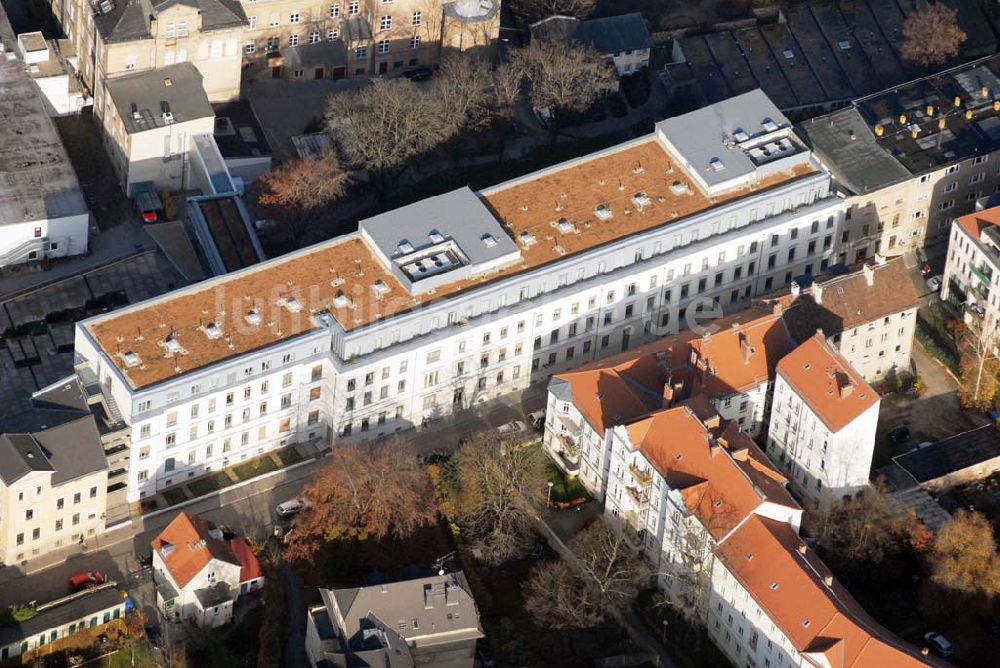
(17, 613)
(935, 344)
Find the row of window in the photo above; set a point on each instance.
(295, 18)
(36, 533)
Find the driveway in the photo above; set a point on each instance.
(933, 416)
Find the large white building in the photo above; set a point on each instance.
(972, 270)
(466, 296)
(43, 213)
(823, 420)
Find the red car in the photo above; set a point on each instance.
(87, 580)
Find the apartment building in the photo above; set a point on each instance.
(823, 420)
(910, 160)
(623, 40)
(466, 296)
(430, 621)
(869, 315)
(151, 120)
(200, 572)
(359, 38)
(53, 475)
(43, 213)
(711, 513)
(117, 37)
(972, 270)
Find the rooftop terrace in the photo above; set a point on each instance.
(555, 213)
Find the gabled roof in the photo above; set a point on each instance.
(742, 356)
(974, 223)
(830, 386)
(721, 473)
(844, 302)
(187, 545)
(799, 594)
(606, 35)
(249, 565)
(144, 98)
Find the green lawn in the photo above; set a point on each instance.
(289, 456)
(255, 467)
(143, 656)
(174, 496)
(209, 483)
(563, 488)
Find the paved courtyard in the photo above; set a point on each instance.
(43, 356)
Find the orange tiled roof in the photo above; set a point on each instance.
(741, 356)
(193, 547)
(249, 565)
(827, 383)
(974, 223)
(721, 473)
(766, 558)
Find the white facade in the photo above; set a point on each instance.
(44, 238)
(972, 270)
(186, 604)
(820, 462)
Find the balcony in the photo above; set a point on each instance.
(644, 478)
(983, 273)
(639, 497)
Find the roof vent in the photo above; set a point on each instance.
(768, 124)
(405, 247)
(565, 226)
(293, 304)
(380, 287)
(489, 240)
(173, 345)
(805, 623)
(527, 239)
(253, 317)
(749, 556)
(716, 165)
(641, 199)
(843, 45)
(679, 188)
(212, 331)
(774, 585)
(167, 81)
(602, 211)
(740, 135)
(342, 300)
(131, 359)
(435, 237)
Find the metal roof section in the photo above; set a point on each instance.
(734, 142)
(439, 240)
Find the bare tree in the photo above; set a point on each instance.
(931, 35)
(379, 490)
(980, 365)
(964, 556)
(602, 579)
(563, 77)
(298, 189)
(462, 85)
(498, 484)
(533, 10)
(382, 127)
(860, 529)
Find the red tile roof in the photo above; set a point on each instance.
(974, 223)
(827, 383)
(190, 546)
(249, 566)
(720, 471)
(799, 594)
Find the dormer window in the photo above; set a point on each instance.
(253, 317)
(341, 300)
(212, 331)
(489, 240)
(380, 287)
(173, 345)
(602, 211)
(293, 304)
(131, 359)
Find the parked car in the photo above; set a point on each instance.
(926, 269)
(291, 507)
(87, 580)
(512, 427)
(418, 74)
(941, 645)
(900, 433)
(537, 420)
(934, 283)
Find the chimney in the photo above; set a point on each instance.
(668, 393)
(796, 289)
(828, 580)
(745, 351)
(803, 548)
(713, 421)
(817, 293)
(869, 274)
(741, 455)
(879, 260)
(846, 387)
(777, 308)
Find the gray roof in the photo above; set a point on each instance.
(141, 99)
(458, 216)
(57, 434)
(37, 181)
(862, 161)
(706, 134)
(77, 608)
(129, 19)
(607, 35)
(956, 453)
(421, 608)
(846, 145)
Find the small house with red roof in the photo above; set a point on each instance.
(200, 570)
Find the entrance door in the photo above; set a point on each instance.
(319, 72)
(383, 68)
(456, 398)
(339, 73)
(276, 72)
(625, 337)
